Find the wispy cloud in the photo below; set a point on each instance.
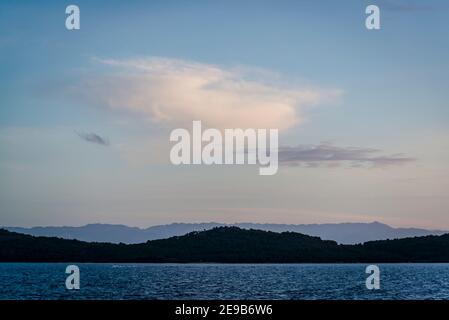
(175, 92)
(330, 155)
(93, 138)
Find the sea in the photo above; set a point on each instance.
(111, 281)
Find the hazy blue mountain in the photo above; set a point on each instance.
(115, 233)
(345, 233)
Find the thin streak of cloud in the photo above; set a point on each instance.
(93, 138)
(330, 155)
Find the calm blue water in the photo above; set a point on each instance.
(223, 281)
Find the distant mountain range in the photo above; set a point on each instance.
(224, 245)
(344, 233)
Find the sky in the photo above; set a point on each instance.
(85, 115)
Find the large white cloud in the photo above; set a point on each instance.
(175, 92)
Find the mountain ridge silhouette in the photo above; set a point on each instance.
(224, 245)
(344, 233)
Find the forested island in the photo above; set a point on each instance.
(224, 245)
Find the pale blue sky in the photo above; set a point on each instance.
(393, 96)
